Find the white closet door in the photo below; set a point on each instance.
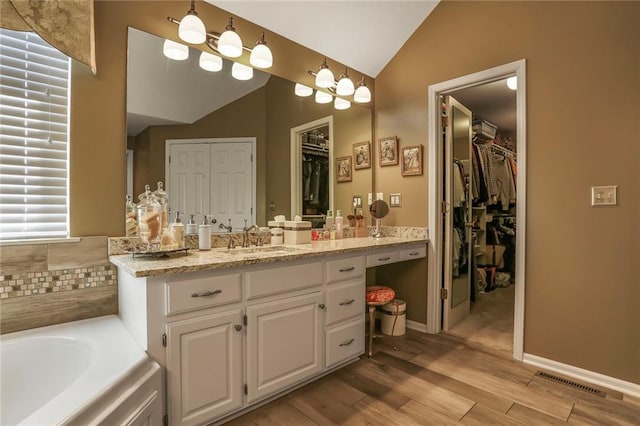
(189, 178)
(231, 183)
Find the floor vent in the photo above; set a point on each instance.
(571, 383)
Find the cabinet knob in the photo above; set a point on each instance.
(321, 306)
(238, 327)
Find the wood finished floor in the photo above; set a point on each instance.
(441, 380)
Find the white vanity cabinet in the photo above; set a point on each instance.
(284, 343)
(204, 367)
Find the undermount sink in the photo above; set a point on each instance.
(263, 249)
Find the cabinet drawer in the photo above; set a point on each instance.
(344, 301)
(266, 282)
(344, 269)
(344, 342)
(383, 258)
(200, 293)
(414, 253)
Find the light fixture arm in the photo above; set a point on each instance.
(192, 11)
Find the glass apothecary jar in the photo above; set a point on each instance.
(131, 217)
(162, 198)
(149, 219)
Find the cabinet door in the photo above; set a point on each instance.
(204, 367)
(284, 343)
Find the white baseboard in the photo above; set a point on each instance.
(417, 326)
(581, 374)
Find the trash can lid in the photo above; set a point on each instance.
(395, 306)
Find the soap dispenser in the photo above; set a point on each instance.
(204, 235)
(177, 230)
(329, 220)
(192, 226)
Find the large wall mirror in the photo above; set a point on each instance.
(191, 128)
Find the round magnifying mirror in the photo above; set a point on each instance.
(378, 209)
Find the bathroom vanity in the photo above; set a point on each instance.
(236, 327)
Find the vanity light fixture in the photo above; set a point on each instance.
(302, 90)
(345, 85)
(175, 51)
(512, 83)
(191, 28)
(341, 104)
(229, 43)
(210, 62)
(241, 72)
(261, 56)
(324, 77)
(362, 94)
(323, 97)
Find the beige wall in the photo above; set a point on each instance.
(583, 129)
(98, 109)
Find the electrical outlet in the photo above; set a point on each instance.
(395, 199)
(604, 195)
(380, 196)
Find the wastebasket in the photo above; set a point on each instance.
(394, 321)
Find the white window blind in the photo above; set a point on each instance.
(34, 138)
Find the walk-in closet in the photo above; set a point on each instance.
(482, 181)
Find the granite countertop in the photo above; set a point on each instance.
(221, 258)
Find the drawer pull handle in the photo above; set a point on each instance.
(382, 259)
(349, 269)
(414, 253)
(348, 302)
(347, 343)
(206, 293)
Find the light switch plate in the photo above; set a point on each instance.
(357, 201)
(380, 196)
(369, 198)
(604, 195)
(395, 199)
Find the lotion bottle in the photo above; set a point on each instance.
(192, 226)
(204, 235)
(329, 220)
(177, 230)
(339, 221)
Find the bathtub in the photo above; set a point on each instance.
(83, 372)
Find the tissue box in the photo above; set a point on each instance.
(297, 232)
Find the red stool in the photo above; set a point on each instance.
(377, 295)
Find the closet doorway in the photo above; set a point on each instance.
(468, 207)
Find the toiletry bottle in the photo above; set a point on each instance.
(192, 226)
(329, 221)
(204, 235)
(332, 233)
(177, 230)
(339, 221)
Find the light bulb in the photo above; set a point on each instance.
(191, 29)
(210, 62)
(324, 77)
(362, 94)
(175, 51)
(340, 103)
(261, 56)
(512, 83)
(323, 97)
(302, 90)
(229, 43)
(241, 71)
(345, 85)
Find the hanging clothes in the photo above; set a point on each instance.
(459, 193)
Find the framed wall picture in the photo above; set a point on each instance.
(343, 169)
(412, 160)
(388, 151)
(361, 155)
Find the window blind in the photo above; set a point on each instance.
(34, 137)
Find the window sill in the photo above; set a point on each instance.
(39, 241)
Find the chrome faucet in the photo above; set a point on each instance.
(245, 241)
(231, 244)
